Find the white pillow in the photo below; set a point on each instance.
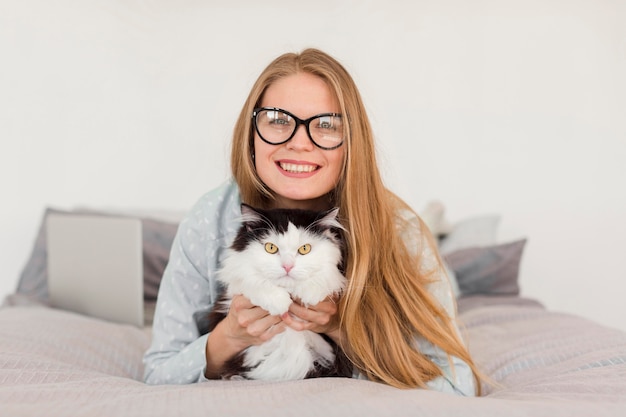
(472, 232)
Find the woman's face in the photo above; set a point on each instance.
(298, 172)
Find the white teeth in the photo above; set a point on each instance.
(297, 168)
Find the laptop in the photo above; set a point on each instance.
(95, 266)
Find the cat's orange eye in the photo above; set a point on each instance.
(271, 248)
(304, 249)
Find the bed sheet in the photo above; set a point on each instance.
(544, 364)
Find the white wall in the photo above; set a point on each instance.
(514, 107)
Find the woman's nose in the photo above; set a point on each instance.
(300, 140)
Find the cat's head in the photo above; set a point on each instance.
(292, 243)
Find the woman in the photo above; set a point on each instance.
(396, 319)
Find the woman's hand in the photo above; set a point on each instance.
(247, 324)
(320, 318)
(244, 326)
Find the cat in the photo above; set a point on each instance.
(277, 256)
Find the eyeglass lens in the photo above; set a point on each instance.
(276, 127)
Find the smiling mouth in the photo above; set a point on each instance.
(297, 168)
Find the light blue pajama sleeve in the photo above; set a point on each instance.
(458, 380)
(189, 287)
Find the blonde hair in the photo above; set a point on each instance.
(386, 303)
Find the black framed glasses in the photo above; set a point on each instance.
(277, 126)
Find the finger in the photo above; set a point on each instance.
(328, 305)
(300, 311)
(240, 302)
(295, 324)
(273, 331)
(251, 315)
(300, 318)
(262, 325)
(319, 314)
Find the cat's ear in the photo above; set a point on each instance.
(250, 215)
(329, 219)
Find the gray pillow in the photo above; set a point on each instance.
(157, 238)
(488, 270)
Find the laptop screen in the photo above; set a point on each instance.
(95, 266)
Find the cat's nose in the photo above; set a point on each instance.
(287, 267)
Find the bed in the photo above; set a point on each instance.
(540, 362)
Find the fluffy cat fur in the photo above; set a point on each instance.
(277, 256)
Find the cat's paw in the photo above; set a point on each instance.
(314, 295)
(276, 303)
(312, 291)
(280, 305)
(308, 300)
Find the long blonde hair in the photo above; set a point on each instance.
(386, 303)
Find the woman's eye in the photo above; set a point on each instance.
(326, 123)
(304, 249)
(271, 248)
(280, 121)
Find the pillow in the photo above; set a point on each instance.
(157, 238)
(434, 215)
(475, 231)
(488, 270)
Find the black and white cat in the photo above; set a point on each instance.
(277, 256)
